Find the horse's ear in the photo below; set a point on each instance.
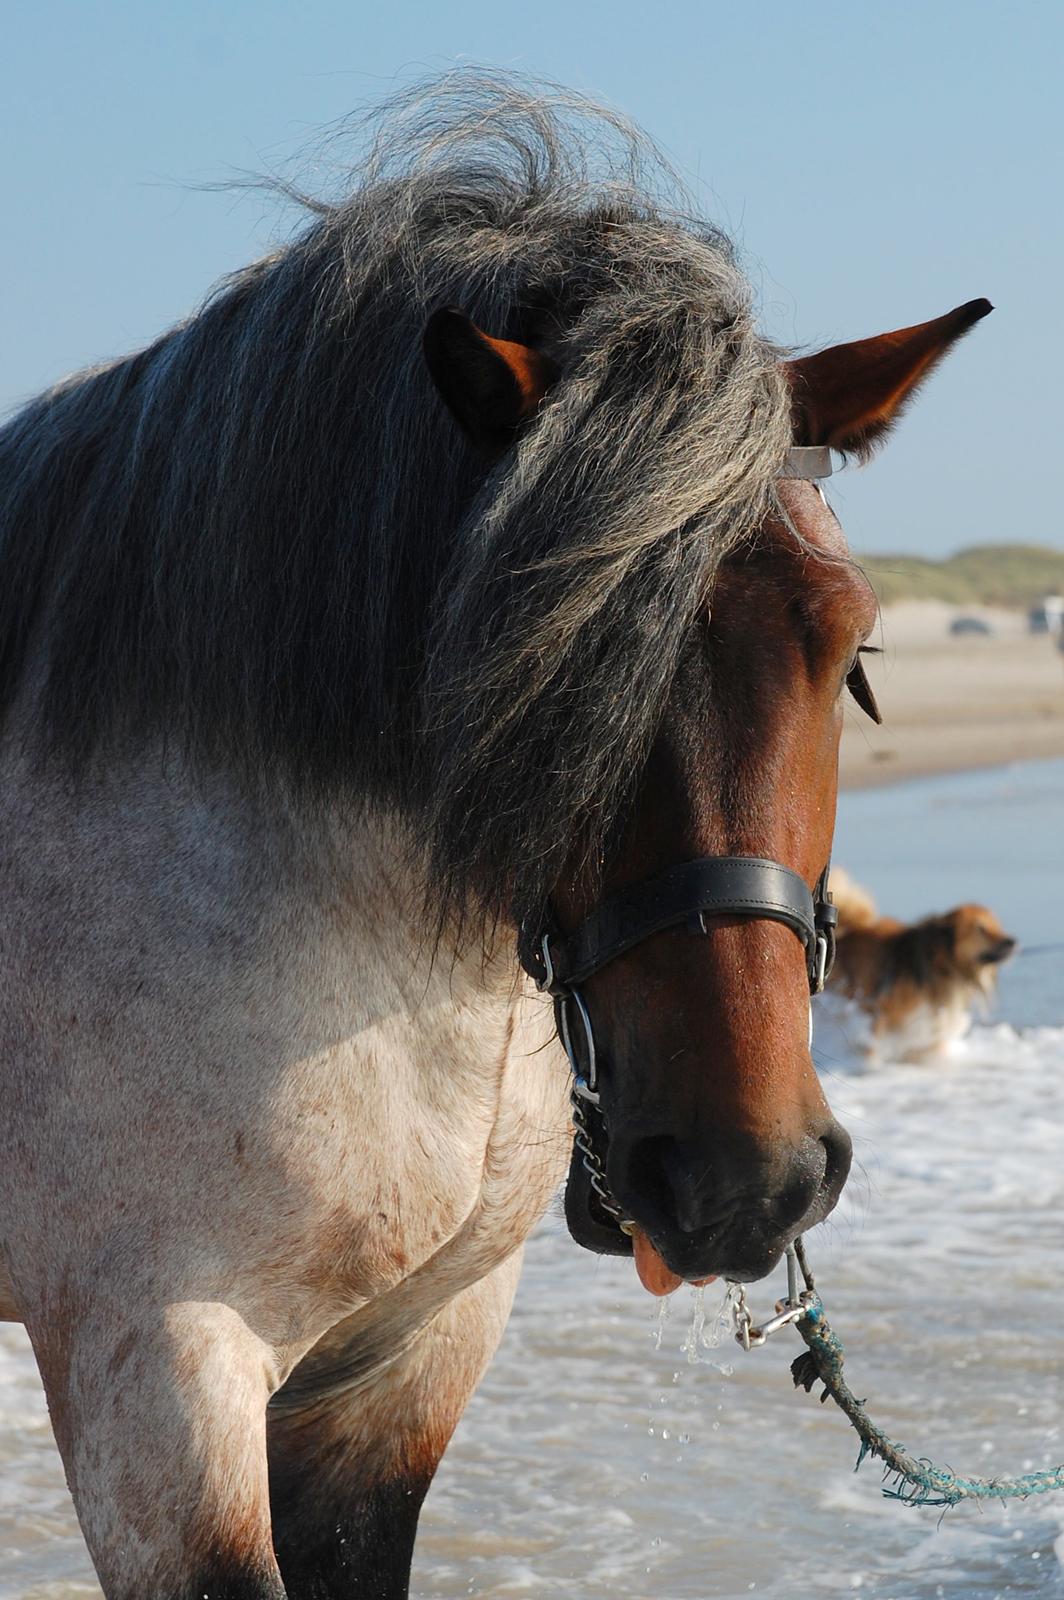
(849, 396)
(490, 385)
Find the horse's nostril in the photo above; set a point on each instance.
(838, 1152)
(665, 1180)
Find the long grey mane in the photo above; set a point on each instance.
(265, 538)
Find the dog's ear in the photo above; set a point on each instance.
(490, 386)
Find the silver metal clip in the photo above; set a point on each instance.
(787, 1311)
(785, 1315)
(743, 1320)
(820, 963)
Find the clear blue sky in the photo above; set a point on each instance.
(877, 163)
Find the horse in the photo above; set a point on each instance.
(454, 571)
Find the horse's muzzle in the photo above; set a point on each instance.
(728, 1212)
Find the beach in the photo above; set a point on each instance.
(949, 703)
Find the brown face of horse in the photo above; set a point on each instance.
(719, 1142)
(715, 1136)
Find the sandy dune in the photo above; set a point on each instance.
(953, 703)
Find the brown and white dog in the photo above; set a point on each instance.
(918, 983)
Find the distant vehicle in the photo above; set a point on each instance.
(1047, 616)
(961, 625)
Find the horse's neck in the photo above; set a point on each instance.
(331, 895)
(276, 968)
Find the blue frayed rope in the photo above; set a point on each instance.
(913, 1480)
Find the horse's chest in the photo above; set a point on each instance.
(390, 1135)
(245, 1074)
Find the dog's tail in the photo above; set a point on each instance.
(855, 905)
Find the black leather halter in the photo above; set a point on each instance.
(713, 886)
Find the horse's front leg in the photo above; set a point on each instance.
(349, 1471)
(160, 1419)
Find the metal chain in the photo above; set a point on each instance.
(593, 1165)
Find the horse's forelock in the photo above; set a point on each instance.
(265, 535)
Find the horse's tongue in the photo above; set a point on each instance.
(654, 1275)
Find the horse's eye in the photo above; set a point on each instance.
(859, 686)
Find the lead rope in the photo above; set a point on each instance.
(913, 1480)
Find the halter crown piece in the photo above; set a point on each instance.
(808, 461)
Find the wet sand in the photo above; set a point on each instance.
(950, 704)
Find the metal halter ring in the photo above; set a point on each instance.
(585, 1081)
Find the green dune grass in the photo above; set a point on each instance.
(986, 574)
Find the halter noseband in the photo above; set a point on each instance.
(712, 886)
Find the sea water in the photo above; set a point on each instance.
(608, 1456)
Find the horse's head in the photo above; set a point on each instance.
(710, 1136)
